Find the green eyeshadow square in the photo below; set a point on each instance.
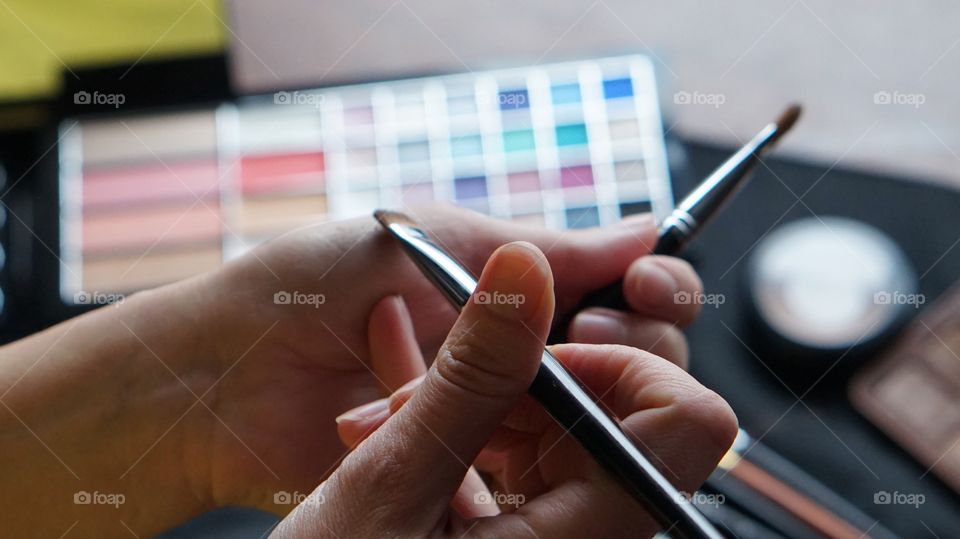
(569, 135)
(518, 140)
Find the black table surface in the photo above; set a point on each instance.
(816, 427)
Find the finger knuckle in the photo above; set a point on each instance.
(712, 415)
(475, 365)
(385, 469)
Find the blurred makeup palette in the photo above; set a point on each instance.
(150, 199)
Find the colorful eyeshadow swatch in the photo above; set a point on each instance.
(140, 202)
(150, 199)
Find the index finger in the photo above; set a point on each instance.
(683, 428)
(630, 380)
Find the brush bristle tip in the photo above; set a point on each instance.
(789, 118)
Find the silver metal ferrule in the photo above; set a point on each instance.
(681, 220)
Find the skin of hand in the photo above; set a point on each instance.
(224, 389)
(316, 363)
(410, 474)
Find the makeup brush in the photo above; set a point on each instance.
(768, 475)
(563, 398)
(694, 211)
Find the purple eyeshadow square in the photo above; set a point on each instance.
(475, 187)
(358, 116)
(576, 176)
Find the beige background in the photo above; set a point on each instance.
(753, 55)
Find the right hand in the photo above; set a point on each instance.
(289, 370)
(411, 476)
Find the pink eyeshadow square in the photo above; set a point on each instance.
(576, 176)
(418, 193)
(524, 182)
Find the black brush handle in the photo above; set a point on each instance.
(573, 408)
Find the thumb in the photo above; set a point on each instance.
(486, 364)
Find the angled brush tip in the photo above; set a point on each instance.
(788, 118)
(390, 217)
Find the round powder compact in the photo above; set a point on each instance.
(825, 288)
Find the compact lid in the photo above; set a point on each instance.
(830, 282)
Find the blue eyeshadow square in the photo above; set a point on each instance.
(514, 99)
(413, 151)
(566, 93)
(615, 88)
(569, 135)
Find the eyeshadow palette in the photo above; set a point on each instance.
(912, 391)
(149, 199)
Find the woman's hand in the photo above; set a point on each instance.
(289, 369)
(410, 477)
(223, 389)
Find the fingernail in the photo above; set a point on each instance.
(654, 284)
(514, 283)
(597, 328)
(366, 413)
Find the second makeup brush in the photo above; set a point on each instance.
(693, 212)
